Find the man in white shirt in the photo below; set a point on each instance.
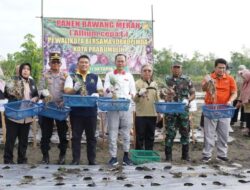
(122, 84)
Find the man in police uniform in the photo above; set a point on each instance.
(183, 92)
(52, 84)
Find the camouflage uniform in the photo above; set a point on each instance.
(183, 88)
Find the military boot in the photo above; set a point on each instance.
(168, 153)
(185, 152)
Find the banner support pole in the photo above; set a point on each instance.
(152, 18)
(42, 31)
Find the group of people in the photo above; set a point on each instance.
(219, 86)
(52, 86)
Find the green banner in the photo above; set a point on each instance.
(101, 40)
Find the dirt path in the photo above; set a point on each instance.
(239, 152)
(239, 149)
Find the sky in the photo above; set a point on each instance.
(185, 26)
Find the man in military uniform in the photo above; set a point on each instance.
(183, 91)
(52, 86)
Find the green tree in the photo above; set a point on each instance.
(199, 64)
(239, 59)
(30, 53)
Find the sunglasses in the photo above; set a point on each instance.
(147, 70)
(176, 67)
(55, 62)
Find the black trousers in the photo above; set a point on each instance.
(236, 112)
(47, 130)
(79, 124)
(202, 120)
(16, 130)
(145, 132)
(247, 119)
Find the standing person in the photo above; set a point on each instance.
(183, 91)
(145, 120)
(23, 89)
(122, 84)
(52, 84)
(83, 118)
(2, 84)
(244, 98)
(239, 82)
(224, 92)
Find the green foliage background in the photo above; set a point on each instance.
(196, 67)
(30, 53)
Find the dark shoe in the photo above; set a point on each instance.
(24, 161)
(45, 159)
(168, 153)
(61, 160)
(185, 152)
(113, 161)
(92, 163)
(206, 159)
(127, 161)
(224, 159)
(9, 162)
(75, 162)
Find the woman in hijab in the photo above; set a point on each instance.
(244, 99)
(146, 96)
(23, 88)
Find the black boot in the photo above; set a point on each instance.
(75, 162)
(61, 160)
(168, 153)
(185, 152)
(45, 159)
(22, 161)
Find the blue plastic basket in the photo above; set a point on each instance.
(79, 101)
(51, 110)
(144, 156)
(109, 104)
(169, 107)
(217, 111)
(22, 109)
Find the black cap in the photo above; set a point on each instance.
(177, 63)
(54, 56)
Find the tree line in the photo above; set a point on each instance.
(196, 67)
